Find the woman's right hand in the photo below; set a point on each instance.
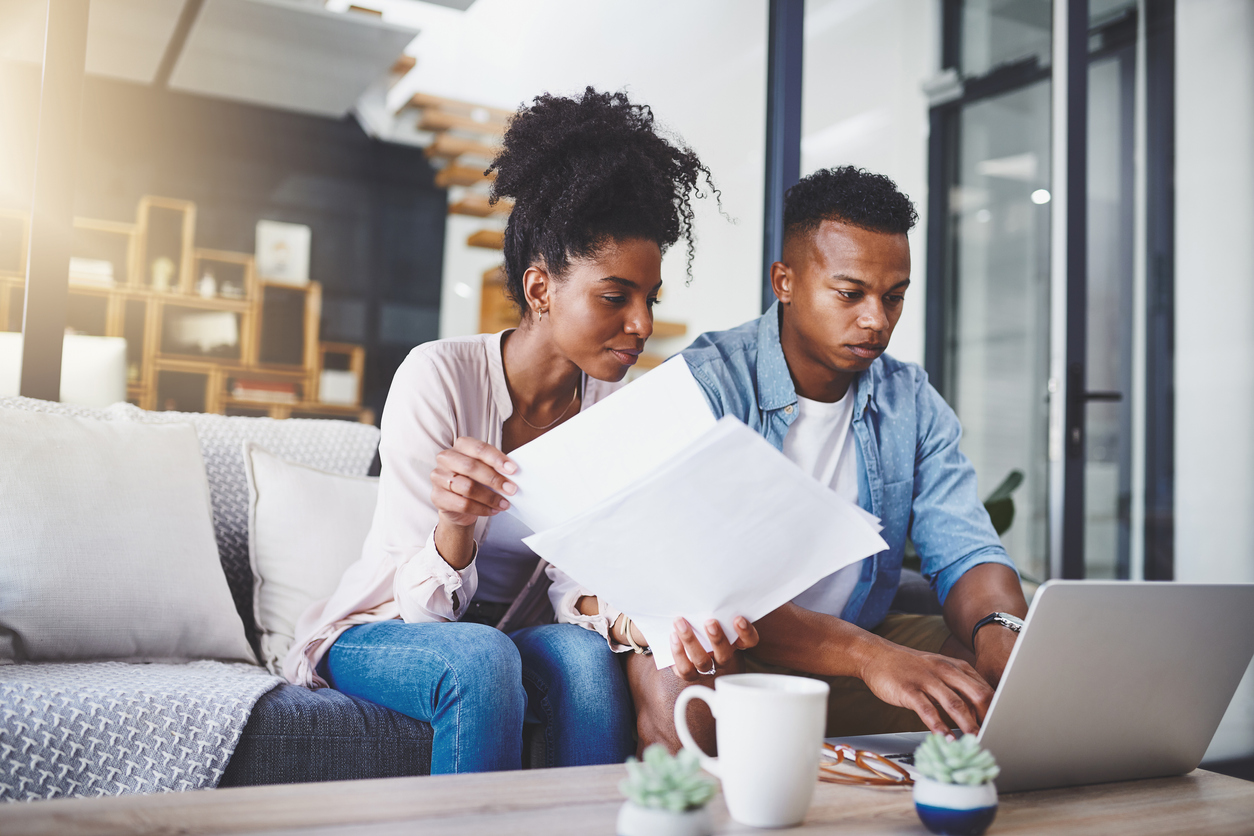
(693, 663)
(470, 481)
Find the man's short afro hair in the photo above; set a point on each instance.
(585, 170)
(850, 195)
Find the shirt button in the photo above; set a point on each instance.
(788, 409)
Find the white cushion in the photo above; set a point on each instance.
(306, 526)
(106, 544)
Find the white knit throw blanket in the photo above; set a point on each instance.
(111, 728)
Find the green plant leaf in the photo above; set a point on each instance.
(1008, 486)
(1001, 513)
(1000, 505)
(666, 783)
(959, 761)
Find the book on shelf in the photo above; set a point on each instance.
(265, 390)
(91, 271)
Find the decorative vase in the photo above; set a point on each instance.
(650, 821)
(955, 809)
(207, 287)
(162, 274)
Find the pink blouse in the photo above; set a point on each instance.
(443, 390)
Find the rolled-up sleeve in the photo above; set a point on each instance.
(429, 589)
(950, 528)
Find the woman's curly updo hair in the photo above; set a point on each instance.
(585, 171)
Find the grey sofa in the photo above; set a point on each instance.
(293, 734)
(296, 735)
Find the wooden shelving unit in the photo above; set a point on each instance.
(196, 327)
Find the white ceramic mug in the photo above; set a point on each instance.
(770, 732)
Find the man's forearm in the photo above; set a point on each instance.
(821, 644)
(794, 637)
(983, 589)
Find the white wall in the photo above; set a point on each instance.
(1215, 312)
(700, 64)
(463, 272)
(863, 104)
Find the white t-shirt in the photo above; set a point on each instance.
(821, 443)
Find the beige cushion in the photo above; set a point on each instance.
(106, 544)
(306, 526)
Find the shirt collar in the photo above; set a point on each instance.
(775, 386)
(492, 344)
(865, 393)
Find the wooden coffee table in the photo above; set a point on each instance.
(584, 801)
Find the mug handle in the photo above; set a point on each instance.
(709, 697)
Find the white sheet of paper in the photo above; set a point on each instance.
(728, 527)
(608, 446)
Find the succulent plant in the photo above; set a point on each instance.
(960, 761)
(666, 783)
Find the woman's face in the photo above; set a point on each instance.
(601, 312)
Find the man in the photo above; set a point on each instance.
(811, 376)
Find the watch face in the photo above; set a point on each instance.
(1010, 621)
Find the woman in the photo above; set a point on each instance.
(598, 196)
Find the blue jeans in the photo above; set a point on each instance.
(577, 691)
(467, 680)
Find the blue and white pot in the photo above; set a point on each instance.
(955, 809)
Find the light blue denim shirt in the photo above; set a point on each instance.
(911, 473)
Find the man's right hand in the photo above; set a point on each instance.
(937, 688)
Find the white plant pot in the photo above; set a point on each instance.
(955, 809)
(648, 821)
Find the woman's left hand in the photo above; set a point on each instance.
(693, 663)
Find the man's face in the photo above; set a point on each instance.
(842, 288)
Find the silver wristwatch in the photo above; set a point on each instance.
(1005, 619)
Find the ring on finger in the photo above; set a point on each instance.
(450, 484)
(710, 672)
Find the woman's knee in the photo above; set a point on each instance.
(570, 660)
(444, 661)
(565, 646)
(484, 656)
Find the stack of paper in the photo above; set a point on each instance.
(647, 501)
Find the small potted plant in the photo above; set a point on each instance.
(954, 792)
(666, 796)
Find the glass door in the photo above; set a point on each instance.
(991, 182)
(999, 349)
(1109, 309)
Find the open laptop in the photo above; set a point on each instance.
(1111, 681)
